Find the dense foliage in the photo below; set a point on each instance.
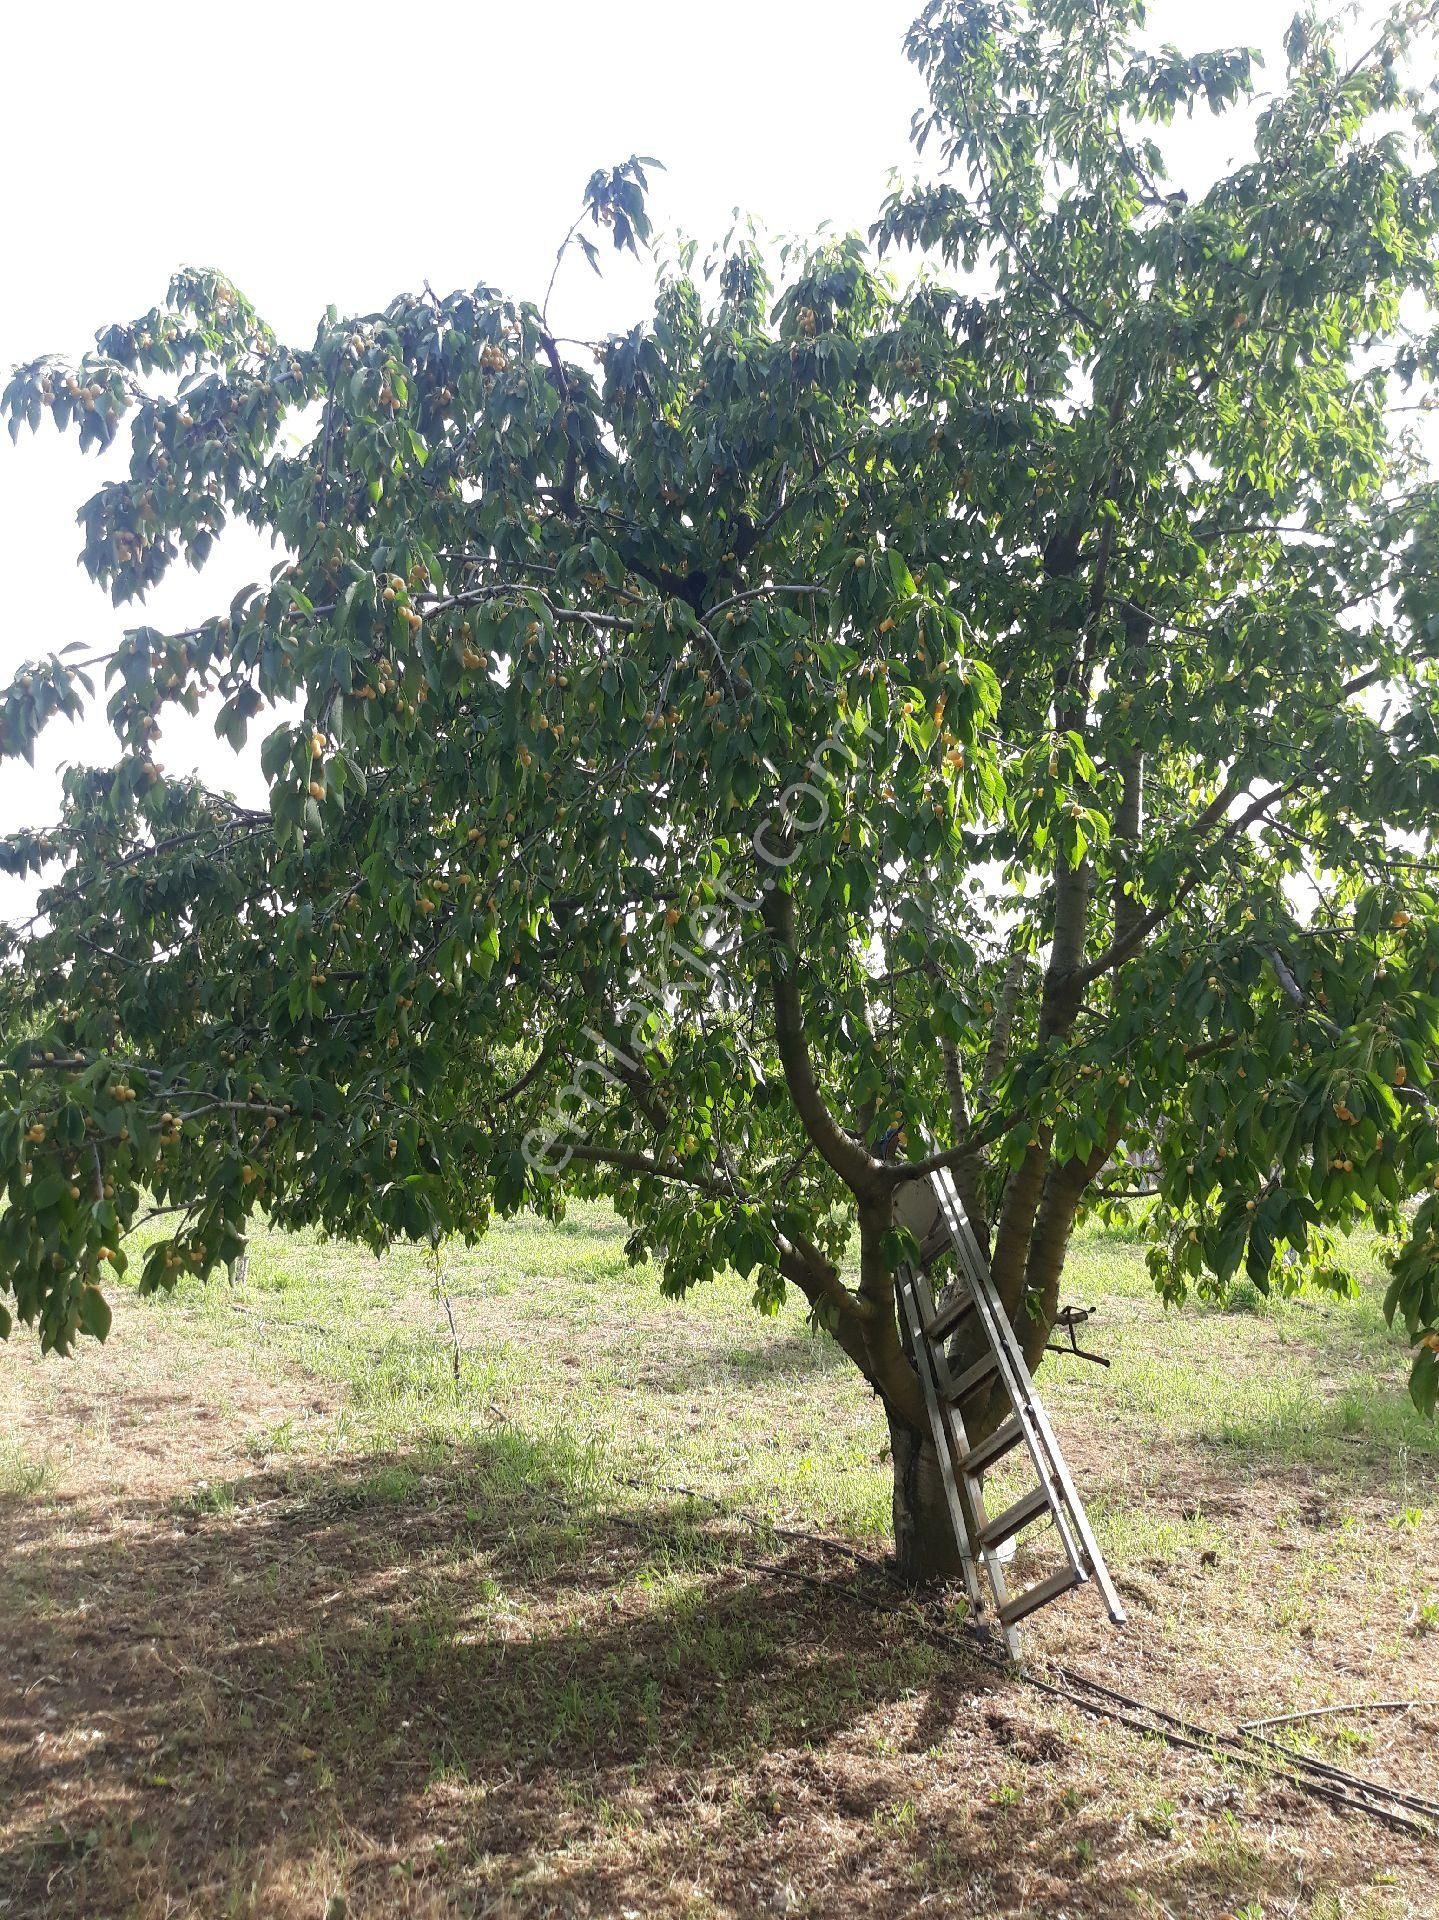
(832, 729)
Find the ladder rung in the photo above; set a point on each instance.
(972, 1377)
(948, 1318)
(994, 1446)
(973, 1290)
(1013, 1518)
(1039, 1595)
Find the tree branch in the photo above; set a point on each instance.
(1120, 949)
(996, 1055)
(851, 1161)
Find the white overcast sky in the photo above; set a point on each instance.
(322, 154)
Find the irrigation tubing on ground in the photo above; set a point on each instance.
(1347, 1791)
(1408, 1813)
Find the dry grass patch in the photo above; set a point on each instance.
(290, 1614)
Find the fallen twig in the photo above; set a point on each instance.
(1320, 1713)
(305, 1326)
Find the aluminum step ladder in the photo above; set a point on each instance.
(963, 1466)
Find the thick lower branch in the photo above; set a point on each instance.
(860, 1172)
(1058, 1007)
(819, 1282)
(1064, 1189)
(889, 1369)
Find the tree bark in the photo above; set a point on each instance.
(924, 1543)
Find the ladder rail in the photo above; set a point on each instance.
(1019, 1388)
(914, 1312)
(973, 1482)
(980, 1536)
(953, 1211)
(1083, 1550)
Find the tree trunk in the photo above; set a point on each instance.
(924, 1542)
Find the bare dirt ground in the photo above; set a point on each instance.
(250, 1675)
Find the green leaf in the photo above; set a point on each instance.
(94, 1312)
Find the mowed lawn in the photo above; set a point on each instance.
(309, 1608)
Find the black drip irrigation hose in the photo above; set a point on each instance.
(1406, 1812)
(1344, 1790)
(1429, 1808)
(1349, 1790)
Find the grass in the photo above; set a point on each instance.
(20, 1476)
(767, 1413)
(316, 1603)
(1314, 1379)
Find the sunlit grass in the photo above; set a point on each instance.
(566, 1348)
(1313, 1378)
(532, 1548)
(21, 1475)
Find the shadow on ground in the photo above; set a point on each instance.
(477, 1681)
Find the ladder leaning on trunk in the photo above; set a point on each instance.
(962, 1465)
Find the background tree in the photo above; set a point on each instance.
(822, 735)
